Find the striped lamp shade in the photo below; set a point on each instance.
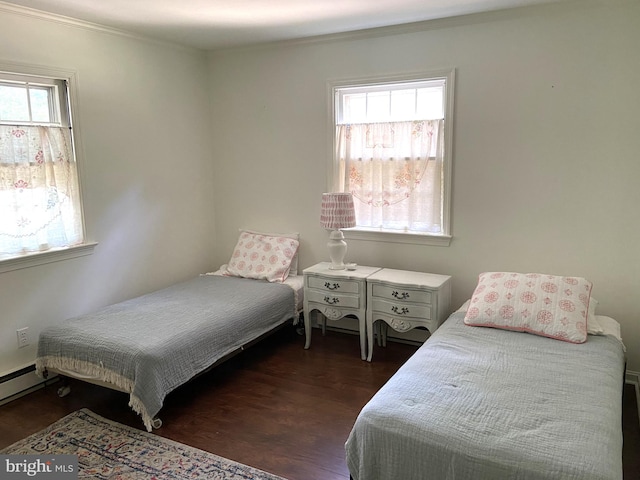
(337, 211)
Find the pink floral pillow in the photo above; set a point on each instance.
(262, 257)
(546, 305)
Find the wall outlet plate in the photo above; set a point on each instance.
(23, 337)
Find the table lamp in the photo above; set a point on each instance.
(337, 212)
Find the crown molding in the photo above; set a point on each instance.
(61, 19)
(11, 8)
(551, 7)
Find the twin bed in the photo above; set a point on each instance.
(150, 345)
(479, 400)
(493, 403)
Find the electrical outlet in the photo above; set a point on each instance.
(23, 337)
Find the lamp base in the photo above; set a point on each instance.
(337, 250)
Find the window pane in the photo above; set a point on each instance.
(430, 103)
(378, 106)
(354, 108)
(40, 104)
(403, 104)
(13, 104)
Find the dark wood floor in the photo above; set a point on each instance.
(276, 407)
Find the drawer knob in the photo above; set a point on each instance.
(401, 296)
(331, 286)
(331, 300)
(400, 311)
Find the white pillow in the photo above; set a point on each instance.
(547, 305)
(295, 235)
(593, 325)
(610, 327)
(262, 257)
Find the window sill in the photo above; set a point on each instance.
(50, 256)
(393, 237)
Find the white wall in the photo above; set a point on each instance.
(145, 121)
(545, 154)
(546, 143)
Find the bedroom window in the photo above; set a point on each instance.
(40, 205)
(392, 151)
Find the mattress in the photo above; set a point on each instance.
(150, 345)
(296, 282)
(482, 403)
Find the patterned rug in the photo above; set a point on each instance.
(109, 450)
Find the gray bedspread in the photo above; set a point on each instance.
(480, 403)
(152, 344)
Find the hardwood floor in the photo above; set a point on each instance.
(276, 407)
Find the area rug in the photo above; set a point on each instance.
(109, 450)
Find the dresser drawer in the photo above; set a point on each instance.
(332, 298)
(335, 285)
(399, 309)
(401, 294)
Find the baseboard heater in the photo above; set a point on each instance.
(21, 382)
(18, 373)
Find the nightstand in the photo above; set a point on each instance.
(406, 300)
(336, 294)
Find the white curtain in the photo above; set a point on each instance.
(394, 171)
(39, 191)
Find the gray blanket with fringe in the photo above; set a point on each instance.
(486, 404)
(149, 345)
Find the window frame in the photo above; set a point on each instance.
(361, 233)
(70, 118)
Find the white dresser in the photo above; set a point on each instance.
(336, 294)
(406, 300)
